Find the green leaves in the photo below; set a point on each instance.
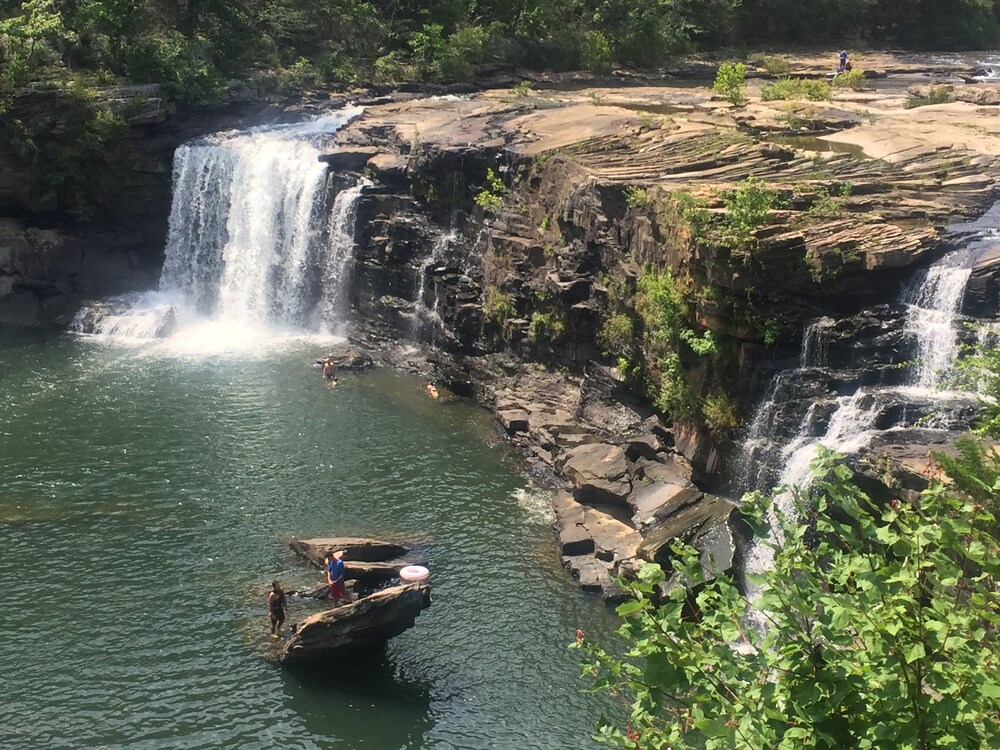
(881, 633)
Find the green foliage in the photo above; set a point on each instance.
(937, 95)
(748, 207)
(796, 88)
(852, 79)
(636, 197)
(975, 466)
(666, 334)
(824, 205)
(549, 327)
(881, 632)
(664, 313)
(722, 416)
(730, 83)
(490, 198)
(391, 69)
(618, 335)
(498, 307)
(544, 224)
(445, 40)
(776, 65)
(28, 37)
(595, 52)
(522, 89)
(178, 61)
(302, 74)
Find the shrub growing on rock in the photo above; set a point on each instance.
(796, 88)
(730, 83)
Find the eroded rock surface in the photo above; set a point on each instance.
(351, 628)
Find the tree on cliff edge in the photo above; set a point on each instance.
(881, 633)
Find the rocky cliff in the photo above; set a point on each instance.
(525, 239)
(615, 272)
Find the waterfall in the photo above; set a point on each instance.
(257, 234)
(933, 305)
(439, 252)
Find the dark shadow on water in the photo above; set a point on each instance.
(348, 700)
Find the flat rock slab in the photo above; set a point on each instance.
(599, 473)
(592, 574)
(689, 522)
(361, 625)
(585, 529)
(667, 467)
(349, 358)
(513, 420)
(655, 502)
(355, 548)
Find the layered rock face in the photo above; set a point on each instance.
(512, 289)
(503, 231)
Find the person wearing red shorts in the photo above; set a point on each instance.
(335, 576)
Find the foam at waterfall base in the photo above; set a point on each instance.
(162, 324)
(228, 338)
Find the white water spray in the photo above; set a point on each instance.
(255, 241)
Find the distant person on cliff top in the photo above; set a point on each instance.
(276, 604)
(335, 575)
(843, 61)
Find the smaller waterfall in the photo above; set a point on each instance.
(439, 252)
(337, 258)
(933, 306)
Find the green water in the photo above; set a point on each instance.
(147, 495)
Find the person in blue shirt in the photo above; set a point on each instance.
(843, 61)
(335, 576)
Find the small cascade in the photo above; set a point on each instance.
(934, 305)
(779, 453)
(258, 235)
(337, 258)
(988, 69)
(427, 311)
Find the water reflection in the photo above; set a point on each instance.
(350, 700)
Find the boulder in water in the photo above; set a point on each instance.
(384, 606)
(127, 317)
(362, 625)
(348, 358)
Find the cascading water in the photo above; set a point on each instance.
(439, 251)
(932, 320)
(256, 236)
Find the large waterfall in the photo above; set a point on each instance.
(258, 235)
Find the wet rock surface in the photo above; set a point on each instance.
(382, 606)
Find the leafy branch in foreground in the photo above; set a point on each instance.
(881, 633)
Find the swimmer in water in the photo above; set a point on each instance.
(432, 390)
(329, 370)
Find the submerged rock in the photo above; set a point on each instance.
(349, 358)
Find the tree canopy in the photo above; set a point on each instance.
(195, 44)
